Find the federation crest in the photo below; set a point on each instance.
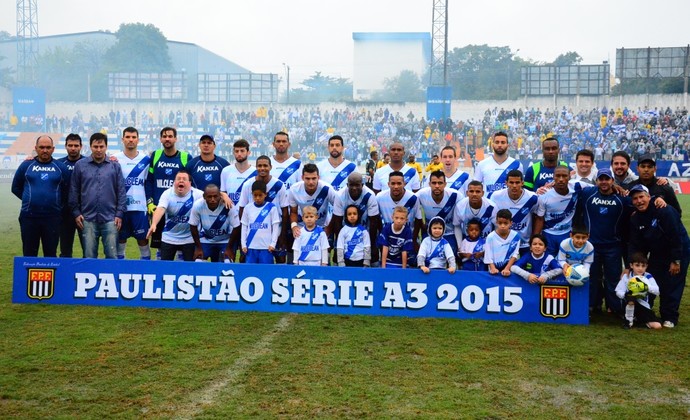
(555, 301)
(41, 283)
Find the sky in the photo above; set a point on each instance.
(313, 35)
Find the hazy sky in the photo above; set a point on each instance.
(312, 35)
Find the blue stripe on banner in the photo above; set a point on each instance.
(280, 288)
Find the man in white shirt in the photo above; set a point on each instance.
(176, 205)
(335, 169)
(284, 166)
(493, 171)
(411, 179)
(135, 168)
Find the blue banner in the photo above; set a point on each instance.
(438, 99)
(290, 288)
(29, 102)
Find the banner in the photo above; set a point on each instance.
(438, 99)
(290, 288)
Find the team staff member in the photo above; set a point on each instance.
(605, 214)
(646, 168)
(98, 198)
(41, 183)
(165, 163)
(73, 147)
(660, 232)
(207, 167)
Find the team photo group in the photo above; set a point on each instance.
(610, 229)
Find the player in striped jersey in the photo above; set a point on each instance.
(234, 176)
(439, 201)
(397, 153)
(335, 170)
(260, 226)
(276, 194)
(493, 171)
(364, 199)
(501, 247)
(211, 225)
(310, 192)
(286, 168)
(556, 209)
(474, 206)
(135, 169)
(176, 204)
(456, 179)
(521, 203)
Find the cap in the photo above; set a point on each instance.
(646, 158)
(604, 172)
(207, 137)
(639, 188)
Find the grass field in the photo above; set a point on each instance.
(87, 362)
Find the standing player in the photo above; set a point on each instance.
(310, 192)
(456, 178)
(541, 173)
(411, 179)
(284, 166)
(211, 224)
(135, 168)
(165, 163)
(556, 209)
(364, 199)
(234, 176)
(73, 145)
(492, 172)
(335, 170)
(176, 205)
(207, 167)
(275, 193)
(474, 206)
(522, 204)
(438, 201)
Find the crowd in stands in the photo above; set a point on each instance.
(662, 132)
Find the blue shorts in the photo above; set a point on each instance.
(553, 242)
(134, 224)
(259, 256)
(214, 251)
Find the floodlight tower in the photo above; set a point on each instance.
(27, 42)
(438, 76)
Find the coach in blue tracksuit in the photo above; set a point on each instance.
(606, 216)
(660, 232)
(41, 184)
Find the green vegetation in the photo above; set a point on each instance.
(79, 361)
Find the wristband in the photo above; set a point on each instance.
(293, 225)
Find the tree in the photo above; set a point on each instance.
(6, 36)
(406, 87)
(321, 88)
(140, 48)
(68, 74)
(6, 79)
(484, 72)
(570, 58)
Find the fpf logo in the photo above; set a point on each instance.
(555, 301)
(41, 283)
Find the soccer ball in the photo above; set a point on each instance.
(637, 287)
(577, 275)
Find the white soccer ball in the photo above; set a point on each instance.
(577, 275)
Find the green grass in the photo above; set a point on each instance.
(79, 361)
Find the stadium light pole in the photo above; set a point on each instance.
(287, 93)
